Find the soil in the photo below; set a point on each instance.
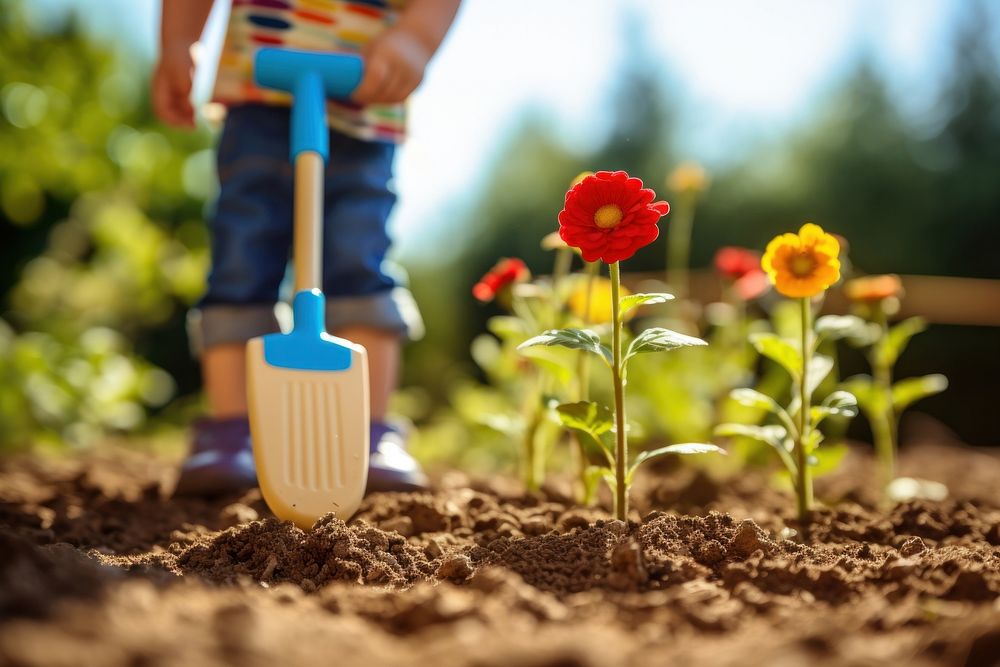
(98, 566)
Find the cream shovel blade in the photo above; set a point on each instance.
(310, 432)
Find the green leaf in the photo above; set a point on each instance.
(908, 391)
(839, 403)
(510, 426)
(752, 398)
(627, 303)
(813, 440)
(574, 339)
(780, 351)
(586, 416)
(888, 350)
(771, 435)
(591, 421)
(660, 340)
(683, 449)
(870, 399)
(851, 327)
(592, 477)
(819, 367)
(827, 459)
(557, 367)
(775, 436)
(505, 327)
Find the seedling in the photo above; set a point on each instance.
(609, 216)
(800, 266)
(876, 299)
(521, 386)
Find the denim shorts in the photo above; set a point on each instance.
(251, 230)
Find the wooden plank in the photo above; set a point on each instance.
(939, 299)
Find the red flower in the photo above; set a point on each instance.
(741, 266)
(733, 263)
(506, 271)
(609, 215)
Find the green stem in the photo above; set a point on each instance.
(529, 466)
(561, 267)
(884, 428)
(583, 376)
(679, 247)
(804, 486)
(621, 447)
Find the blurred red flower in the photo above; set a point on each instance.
(741, 266)
(609, 215)
(507, 271)
(733, 262)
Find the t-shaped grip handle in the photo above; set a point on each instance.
(310, 77)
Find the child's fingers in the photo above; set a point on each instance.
(373, 81)
(171, 99)
(173, 108)
(394, 89)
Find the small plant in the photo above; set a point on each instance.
(800, 266)
(608, 216)
(521, 387)
(688, 180)
(875, 299)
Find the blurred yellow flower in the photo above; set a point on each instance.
(688, 177)
(579, 177)
(552, 241)
(600, 301)
(803, 264)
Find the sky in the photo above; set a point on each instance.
(744, 72)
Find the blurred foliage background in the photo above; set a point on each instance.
(103, 248)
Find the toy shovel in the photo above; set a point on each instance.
(307, 391)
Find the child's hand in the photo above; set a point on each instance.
(172, 82)
(394, 66)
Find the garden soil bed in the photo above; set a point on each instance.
(98, 566)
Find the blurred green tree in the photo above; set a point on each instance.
(101, 244)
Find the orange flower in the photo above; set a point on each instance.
(874, 288)
(804, 264)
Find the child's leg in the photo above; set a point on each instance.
(365, 302)
(251, 234)
(224, 377)
(383, 363)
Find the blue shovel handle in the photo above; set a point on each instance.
(311, 77)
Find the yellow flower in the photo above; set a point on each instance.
(600, 301)
(552, 241)
(688, 177)
(579, 177)
(803, 264)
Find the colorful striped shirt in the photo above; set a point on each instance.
(344, 26)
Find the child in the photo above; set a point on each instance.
(252, 223)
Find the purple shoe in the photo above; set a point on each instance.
(221, 460)
(390, 467)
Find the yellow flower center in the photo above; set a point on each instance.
(608, 216)
(802, 265)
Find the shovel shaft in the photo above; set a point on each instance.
(308, 247)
